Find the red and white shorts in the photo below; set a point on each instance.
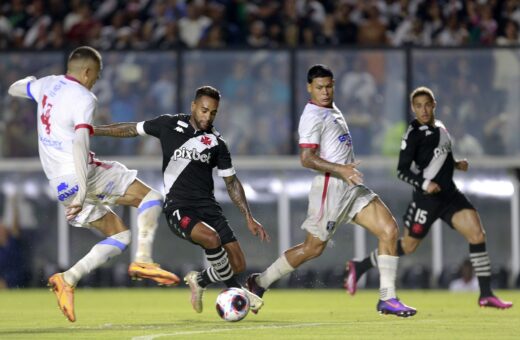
(332, 202)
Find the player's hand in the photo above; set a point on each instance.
(462, 165)
(73, 209)
(350, 174)
(256, 229)
(433, 188)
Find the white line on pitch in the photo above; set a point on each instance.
(220, 330)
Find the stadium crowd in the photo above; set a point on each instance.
(166, 24)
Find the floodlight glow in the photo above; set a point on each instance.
(486, 187)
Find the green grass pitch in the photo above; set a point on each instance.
(165, 313)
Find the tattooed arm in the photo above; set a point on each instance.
(117, 130)
(238, 196)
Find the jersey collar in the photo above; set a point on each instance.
(71, 78)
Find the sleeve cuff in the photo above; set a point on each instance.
(226, 172)
(29, 91)
(309, 145)
(425, 184)
(140, 129)
(85, 126)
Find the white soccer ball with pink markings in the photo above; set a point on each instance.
(232, 304)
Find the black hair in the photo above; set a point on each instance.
(319, 71)
(86, 52)
(208, 91)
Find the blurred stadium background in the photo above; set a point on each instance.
(156, 52)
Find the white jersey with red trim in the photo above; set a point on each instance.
(64, 105)
(326, 129)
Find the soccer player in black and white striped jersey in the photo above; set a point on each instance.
(426, 162)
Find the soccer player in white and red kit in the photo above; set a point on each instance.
(337, 195)
(85, 185)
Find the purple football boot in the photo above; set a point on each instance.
(395, 307)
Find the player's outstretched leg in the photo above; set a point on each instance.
(152, 271)
(494, 302)
(191, 279)
(65, 295)
(395, 307)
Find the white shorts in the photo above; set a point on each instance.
(107, 181)
(331, 202)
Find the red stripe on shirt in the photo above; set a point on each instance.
(85, 126)
(324, 194)
(309, 146)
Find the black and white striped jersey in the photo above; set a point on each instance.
(426, 156)
(189, 157)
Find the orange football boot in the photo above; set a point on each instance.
(152, 271)
(65, 295)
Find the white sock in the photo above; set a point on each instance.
(279, 268)
(97, 256)
(387, 265)
(147, 222)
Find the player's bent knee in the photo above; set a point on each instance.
(208, 240)
(389, 233)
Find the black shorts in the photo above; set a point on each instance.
(182, 220)
(425, 209)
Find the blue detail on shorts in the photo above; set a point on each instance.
(29, 91)
(71, 192)
(113, 242)
(149, 204)
(62, 186)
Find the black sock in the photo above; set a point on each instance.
(220, 270)
(203, 279)
(362, 267)
(480, 260)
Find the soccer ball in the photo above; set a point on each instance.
(232, 304)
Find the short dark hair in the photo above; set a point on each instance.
(319, 71)
(422, 91)
(86, 52)
(208, 91)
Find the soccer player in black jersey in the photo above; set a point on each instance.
(426, 162)
(191, 149)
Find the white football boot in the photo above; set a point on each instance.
(196, 290)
